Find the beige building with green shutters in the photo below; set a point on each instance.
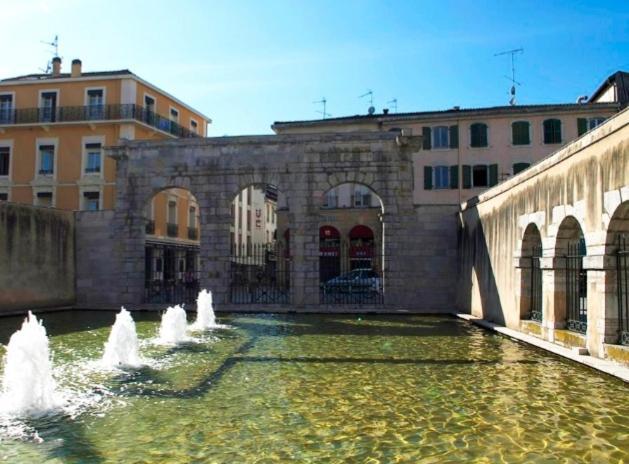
(466, 151)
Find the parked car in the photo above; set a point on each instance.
(356, 281)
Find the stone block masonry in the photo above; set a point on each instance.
(419, 244)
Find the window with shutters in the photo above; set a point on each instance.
(93, 158)
(442, 177)
(520, 133)
(478, 135)
(5, 159)
(91, 201)
(595, 122)
(519, 167)
(480, 175)
(454, 177)
(95, 103)
(552, 131)
(43, 199)
(46, 159)
(6, 109)
(440, 137)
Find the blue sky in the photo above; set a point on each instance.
(249, 63)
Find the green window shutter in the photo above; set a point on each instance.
(520, 133)
(519, 167)
(454, 136)
(582, 126)
(454, 176)
(552, 131)
(426, 138)
(427, 177)
(493, 174)
(467, 176)
(478, 133)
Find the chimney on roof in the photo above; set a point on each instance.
(76, 68)
(56, 66)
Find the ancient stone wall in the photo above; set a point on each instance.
(37, 257)
(96, 264)
(303, 167)
(584, 186)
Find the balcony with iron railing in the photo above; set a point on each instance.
(92, 113)
(172, 230)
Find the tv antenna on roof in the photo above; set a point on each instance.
(323, 113)
(371, 109)
(393, 104)
(512, 78)
(55, 45)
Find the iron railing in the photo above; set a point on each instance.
(351, 274)
(172, 230)
(576, 288)
(171, 274)
(94, 113)
(536, 285)
(260, 274)
(193, 233)
(622, 287)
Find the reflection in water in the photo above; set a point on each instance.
(284, 388)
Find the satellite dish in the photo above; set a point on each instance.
(371, 110)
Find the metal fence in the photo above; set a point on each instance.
(622, 286)
(351, 273)
(171, 274)
(576, 288)
(536, 285)
(260, 274)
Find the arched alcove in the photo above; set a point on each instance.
(617, 277)
(259, 258)
(172, 238)
(531, 275)
(570, 276)
(352, 264)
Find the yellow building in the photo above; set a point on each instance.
(53, 128)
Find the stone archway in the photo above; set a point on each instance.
(303, 166)
(616, 260)
(570, 299)
(531, 275)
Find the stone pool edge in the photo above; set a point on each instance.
(602, 365)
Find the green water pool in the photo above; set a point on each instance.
(321, 389)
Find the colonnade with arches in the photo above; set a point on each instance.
(573, 280)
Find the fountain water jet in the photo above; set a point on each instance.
(121, 348)
(174, 325)
(205, 312)
(28, 387)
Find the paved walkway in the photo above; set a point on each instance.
(602, 365)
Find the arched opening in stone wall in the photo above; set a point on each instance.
(351, 244)
(259, 241)
(617, 277)
(172, 237)
(531, 275)
(571, 300)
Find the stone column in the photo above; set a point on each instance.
(215, 247)
(304, 249)
(129, 232)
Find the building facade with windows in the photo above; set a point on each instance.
(466, 151)
(54, 126)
